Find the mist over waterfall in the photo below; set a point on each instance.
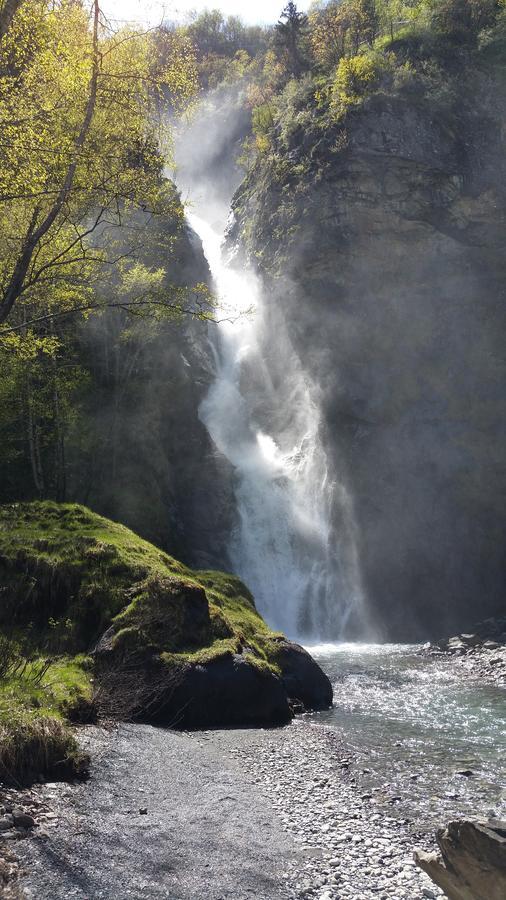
(262, 414)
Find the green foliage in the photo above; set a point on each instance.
(66, 576)
(356, 76)
(83, 147)
(224, 46)
(213, 33)
(88, 572)
(291, 34)
(38, 694)
(463, 20)
(88, 223)
(357, 48)
(33, 745)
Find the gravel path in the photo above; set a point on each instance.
(162, 816)
(214, 815)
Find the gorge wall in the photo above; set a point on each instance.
(380, 240)
(141, 456)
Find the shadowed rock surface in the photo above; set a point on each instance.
(381, 243)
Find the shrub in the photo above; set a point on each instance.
(355, 77)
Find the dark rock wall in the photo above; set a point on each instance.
(145, 459)
(390, 270)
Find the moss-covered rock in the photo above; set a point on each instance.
(169, 644)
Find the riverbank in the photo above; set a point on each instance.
(356, 848)
(164, 815)
(330, 807)
(242, 814)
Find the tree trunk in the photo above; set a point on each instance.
(8, 10)
(33, 443)
(60, 473)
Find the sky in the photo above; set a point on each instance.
(153, 11)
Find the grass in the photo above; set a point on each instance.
(68, 573)
(66, 576)
(36, 704)
(33, 744)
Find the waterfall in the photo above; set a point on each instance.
(262, 414)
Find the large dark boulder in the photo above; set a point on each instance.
(225, 690)
(230, 691)
(303, 679)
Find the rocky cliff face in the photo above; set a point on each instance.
(382, 241)
(146, 459)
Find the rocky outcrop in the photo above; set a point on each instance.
(304, 682)
(220, 689)
(147, 459)
(170, 645)
(380, 239)
(472, 865)
(164, 663)
(228, 691)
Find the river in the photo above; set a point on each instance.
(414, 723)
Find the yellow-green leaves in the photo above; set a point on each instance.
(83, 144)
(354, 76)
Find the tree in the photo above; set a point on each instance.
(329, 28)
(8, 9)
(208, 32)
(464, 19)
(290, 35)
(41, 221)
(83, 142)
(368, 23)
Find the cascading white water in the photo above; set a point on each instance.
(263, 416)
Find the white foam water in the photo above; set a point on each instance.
(262, 414)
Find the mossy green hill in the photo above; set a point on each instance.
(65, 569)
(95, 619)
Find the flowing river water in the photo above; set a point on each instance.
(414, 723)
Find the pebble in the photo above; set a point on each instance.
(23, 820)
(349, 853)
